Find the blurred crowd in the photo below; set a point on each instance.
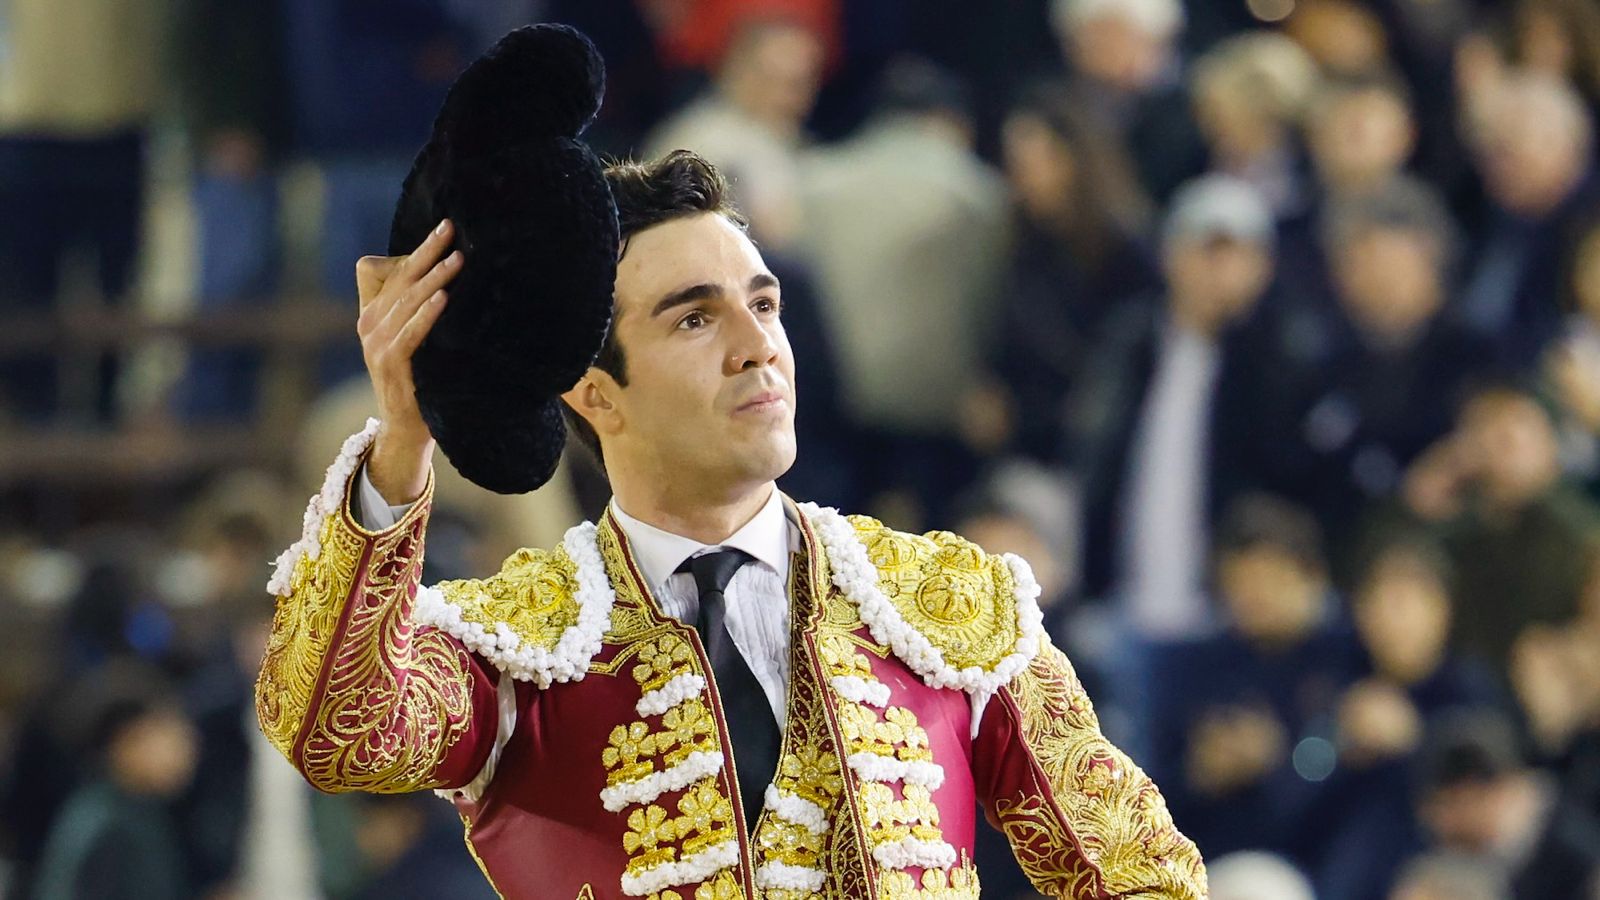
(1268, 331)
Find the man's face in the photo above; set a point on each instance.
(1217, 280)
(709, 404)
(1389, 279)
(1360, 139)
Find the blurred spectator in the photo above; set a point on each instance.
(1370, 406)
(1572, 367)
(1450, 876)
(1365, 821)
(78, 87)
(1361, 134)
(232, 82)
(1256, 876)
(1077, 260)
(1556, 675)
(1561, 39)
(115, 835)
(750, 121)
(1250, 93)
(1517, 534)
(1166, 402)
(1242, 724)
(906, 228)
(1126, 72)
(1479, 798)
(1346, 38)
(1535, 144)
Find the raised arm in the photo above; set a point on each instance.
(352, 691)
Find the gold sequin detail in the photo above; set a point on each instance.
(944, 586)
(705, 819)
(662, 659)
(534, 594)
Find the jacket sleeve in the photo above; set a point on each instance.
(352, 691)
(1082, 819)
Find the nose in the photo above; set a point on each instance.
(750, 343)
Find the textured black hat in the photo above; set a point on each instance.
(536, 223)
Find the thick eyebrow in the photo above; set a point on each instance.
(695, 293)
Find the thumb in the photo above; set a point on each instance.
(371, 274)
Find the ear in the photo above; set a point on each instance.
(593, 399)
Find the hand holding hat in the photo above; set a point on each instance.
(534, 220)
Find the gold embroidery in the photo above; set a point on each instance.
(1117, 836)
(395, 699)
(534, 594)
(303, 627)
(809, 765)
(661, 660)
(958, 883)
(706, 819)
(946, 588)
(586, 893)
(659, 652)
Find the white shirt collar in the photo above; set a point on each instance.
(659, 553)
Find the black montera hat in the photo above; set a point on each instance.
(536, 223)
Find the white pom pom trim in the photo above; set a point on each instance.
(680, 688)
(856, 576)
(569, 659)
(873, 767)
(909, 851)
(859, 690)
(796, 809)
(691, 869)
(323, 504)
(777, 875)
(697, 765)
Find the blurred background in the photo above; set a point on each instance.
(1268, 331)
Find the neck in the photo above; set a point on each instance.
(709, 518)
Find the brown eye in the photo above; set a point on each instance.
(692, 321)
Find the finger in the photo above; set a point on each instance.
(432, 283)
(371, 273)
(421, 322)
(427, 254)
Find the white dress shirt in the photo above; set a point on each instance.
(757, 599)
(1164, 539)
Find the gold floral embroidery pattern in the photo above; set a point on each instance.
(1117, 836)
(396, 698)
(706, 818)
(661, 660)
(958, 883)
(948, 590)
(302, 630)
(638, 752)
(632, 750)
(534, 594)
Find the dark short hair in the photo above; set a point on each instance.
(647, 194)
(1264, 522)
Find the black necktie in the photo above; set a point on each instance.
(751, 726)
